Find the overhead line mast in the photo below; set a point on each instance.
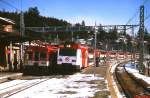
(22, 30)
(141, 65)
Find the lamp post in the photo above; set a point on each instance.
(95, 41)
(117, 42)
(22, 30)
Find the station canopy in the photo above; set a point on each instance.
(7, 37)
(6, 21)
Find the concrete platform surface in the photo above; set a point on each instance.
(7, 75)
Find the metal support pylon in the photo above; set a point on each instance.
(22, 30)
(141, 30)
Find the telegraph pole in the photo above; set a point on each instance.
(141, 65)
(22, 30)
(124, 42)
(133, 45)
(72, 39)
(95, 41)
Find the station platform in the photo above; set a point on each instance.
(4, 76)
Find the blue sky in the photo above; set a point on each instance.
(101, 11)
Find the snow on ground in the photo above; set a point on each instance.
(15, 84)
(75, 86)
(131, 68)
(146, 64)
(10, 84)
(113, 66)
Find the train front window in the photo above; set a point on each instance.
(67, 52)
(43, 56)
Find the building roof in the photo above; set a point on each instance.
(6, 21)
(14, 37)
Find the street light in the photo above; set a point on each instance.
(22, 30)
(95, 41)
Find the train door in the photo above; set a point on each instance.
(43, 59)
(84, 58)
(53, 62)
(9, 61)
(79, 59)
(36, 58)
(28, 58)
(3, 62)
(15, 62)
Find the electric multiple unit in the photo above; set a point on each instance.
(73, 55)
(40, 58)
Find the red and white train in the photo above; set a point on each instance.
(39, 58)
(66, 57)
(73, 57)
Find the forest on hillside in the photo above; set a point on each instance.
(33, 18)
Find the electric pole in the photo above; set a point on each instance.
(22, 30)
(141, 58)
(133, 45)
(124, 42)
(95, 41)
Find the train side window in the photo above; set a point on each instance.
(36, 56)
(43, 56)
(28, 55)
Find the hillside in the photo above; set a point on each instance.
(32, 18)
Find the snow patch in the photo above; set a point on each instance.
(75, 86)
(113, 65)
(132, 69)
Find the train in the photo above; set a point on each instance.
(70, 57)
(62, 58)
(40, 59)
(73, 57)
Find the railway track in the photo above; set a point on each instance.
(130, 86)
(15, 88)
(9, 91)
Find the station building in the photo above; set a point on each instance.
(9, 50)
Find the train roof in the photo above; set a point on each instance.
(48, 48)
(74, 45)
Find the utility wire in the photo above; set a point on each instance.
(147, 24)
(147, 17)
(144, 2)
(7, 3)
(132, 17)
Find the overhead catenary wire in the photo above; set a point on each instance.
(147, 17)
(147, 26)
(135, 14)
(9, 4)
(144, 2)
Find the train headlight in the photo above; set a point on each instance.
(68, 46)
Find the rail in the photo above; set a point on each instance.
(16, 90)
(129, 94)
